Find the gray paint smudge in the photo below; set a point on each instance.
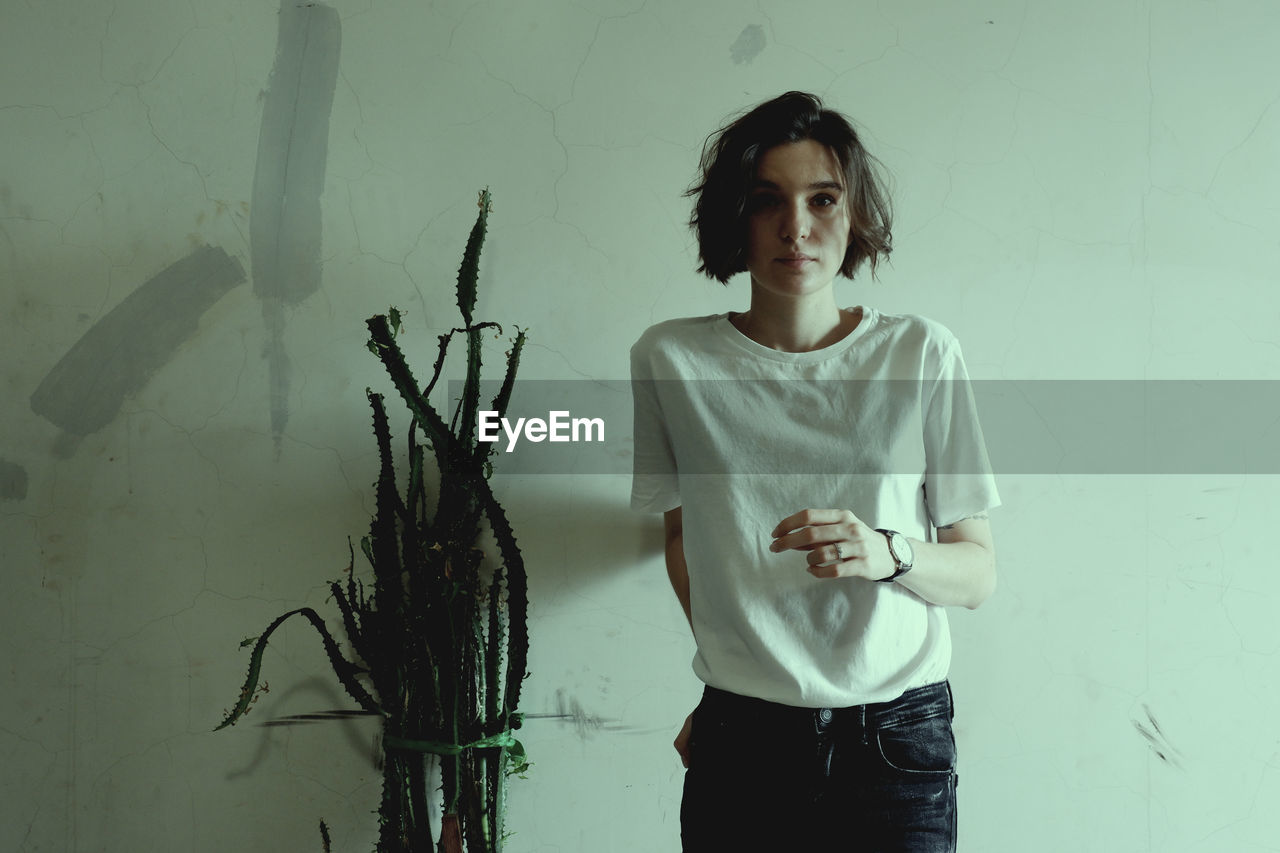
(115, 358)
(1157, 740)
(570, 710)
(749, 44)
(13, 481)
(293, 142)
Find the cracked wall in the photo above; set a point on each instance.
(1084, 191)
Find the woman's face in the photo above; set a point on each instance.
(798, 219)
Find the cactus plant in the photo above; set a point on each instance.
(442, 641)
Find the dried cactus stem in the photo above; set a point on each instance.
(446, 647)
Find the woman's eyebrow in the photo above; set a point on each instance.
(761, 184)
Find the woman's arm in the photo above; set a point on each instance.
(677, 569)
(960, 568)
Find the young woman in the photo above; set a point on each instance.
(825, 487)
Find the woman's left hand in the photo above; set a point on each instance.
(839, 544)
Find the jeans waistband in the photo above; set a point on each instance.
(918, 703)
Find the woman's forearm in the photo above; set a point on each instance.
(678, 572)
(951, 573)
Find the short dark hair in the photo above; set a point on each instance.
(731, 157)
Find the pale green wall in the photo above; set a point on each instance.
(1085, 190)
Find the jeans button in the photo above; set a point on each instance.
(824, 715)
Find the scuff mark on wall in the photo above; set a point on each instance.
(1157, 740)
(749, 44)
(293, 142)
(13, 481)
(117, 355)
(569, 708)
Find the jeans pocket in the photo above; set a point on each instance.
(923, 745)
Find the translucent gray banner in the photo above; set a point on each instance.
(1026, 426)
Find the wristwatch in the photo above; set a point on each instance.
(903, 555)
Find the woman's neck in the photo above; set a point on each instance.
(795, 325)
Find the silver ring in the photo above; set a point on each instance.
(839, 553)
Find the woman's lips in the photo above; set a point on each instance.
(794, 263)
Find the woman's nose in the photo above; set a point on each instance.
(795, 223)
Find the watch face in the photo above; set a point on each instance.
(902, 549)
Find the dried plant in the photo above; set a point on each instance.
(441, 640)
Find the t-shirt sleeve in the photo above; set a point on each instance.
(654, 481)
(959, 481)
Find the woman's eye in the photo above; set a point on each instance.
(824, 200)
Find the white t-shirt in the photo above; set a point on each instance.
(882, 423)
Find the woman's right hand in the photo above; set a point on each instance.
(682, 740)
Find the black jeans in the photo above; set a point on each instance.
(876, 778)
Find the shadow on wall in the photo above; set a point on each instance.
(322, 693)
(582, 540)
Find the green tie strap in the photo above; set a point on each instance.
(503, 739)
